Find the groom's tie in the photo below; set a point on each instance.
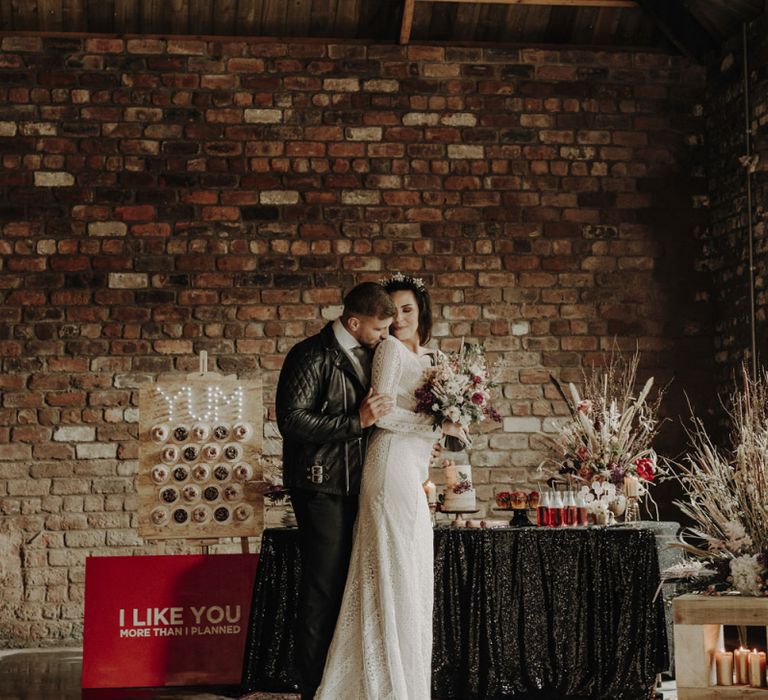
(363, 356)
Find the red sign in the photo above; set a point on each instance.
(166, 620)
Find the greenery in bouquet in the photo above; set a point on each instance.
(610, 431)
(726, 495)
(457, 389)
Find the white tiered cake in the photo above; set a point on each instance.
(459, 492)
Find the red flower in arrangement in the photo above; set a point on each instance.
(645, 469)
(478, 398)
(586, 472)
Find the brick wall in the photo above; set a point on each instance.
(726, 239)
(162, 197)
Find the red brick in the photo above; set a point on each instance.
(235, 263)
(186, 46)
(324, 133)
(10, 348)
(146, 46)
(201, 197)
(144, 212)
(26, 298)
(402, 198)
(566, 73)
(305, 148)
(224, 116)
(229, 198)
(151, 230)
(104, 45)
(220, 213)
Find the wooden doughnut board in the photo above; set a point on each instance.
(210, 400)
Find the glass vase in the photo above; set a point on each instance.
(632, 512)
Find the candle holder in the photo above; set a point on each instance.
(433, 513)
(632, 512)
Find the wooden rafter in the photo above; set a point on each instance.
(405, 28)
(409, 6)
(561, 3)
(681, 28)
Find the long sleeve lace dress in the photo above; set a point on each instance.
(382, 645)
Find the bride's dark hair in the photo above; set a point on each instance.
(399, 283)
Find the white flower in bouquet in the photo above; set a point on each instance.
(736, 536)
(453, 414)
(746, 574)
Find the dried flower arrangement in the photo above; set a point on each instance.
(611, 429)
(727, 497)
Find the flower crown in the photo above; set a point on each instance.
(400, 277)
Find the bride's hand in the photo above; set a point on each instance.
(456, 430)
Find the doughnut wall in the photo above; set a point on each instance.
(199, 452)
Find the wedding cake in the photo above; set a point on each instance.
(459, 492)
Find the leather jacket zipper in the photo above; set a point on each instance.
(346, 443)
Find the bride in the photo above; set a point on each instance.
(382, 645)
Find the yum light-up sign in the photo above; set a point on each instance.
(200, 476)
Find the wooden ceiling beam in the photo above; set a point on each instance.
(547, 3)
(409, 6)
(682, 29)
(405, 28)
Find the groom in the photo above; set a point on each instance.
(324, 411)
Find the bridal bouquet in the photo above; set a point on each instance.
(610, 432)
(727, 498)
(457, 389)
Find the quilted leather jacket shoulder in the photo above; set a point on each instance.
(317, 405)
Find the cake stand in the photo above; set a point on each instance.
(520, 517)
(458, 513)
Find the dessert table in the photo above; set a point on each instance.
(529, 612)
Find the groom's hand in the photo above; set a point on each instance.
(374, 406)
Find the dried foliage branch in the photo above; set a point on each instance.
(726, 493)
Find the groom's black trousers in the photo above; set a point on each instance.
(325, 539)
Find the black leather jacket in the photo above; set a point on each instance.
(318, 400)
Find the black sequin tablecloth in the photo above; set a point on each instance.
(523, 613)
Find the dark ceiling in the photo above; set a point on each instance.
(686, 25)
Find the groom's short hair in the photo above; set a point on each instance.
(369, 299)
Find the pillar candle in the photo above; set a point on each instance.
(431, 490)
(724, 665)
(741, 665)
(757, 669)
(631, 487)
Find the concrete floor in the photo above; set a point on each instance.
(54, 674)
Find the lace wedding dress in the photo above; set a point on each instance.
(382, 646)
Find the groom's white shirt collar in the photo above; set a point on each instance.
(347, 342)
(345, 338)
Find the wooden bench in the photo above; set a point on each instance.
(699, 621)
